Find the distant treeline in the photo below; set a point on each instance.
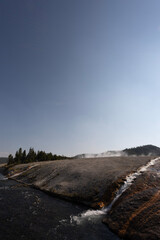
(143, 150)
(32, 156)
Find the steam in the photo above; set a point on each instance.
(104, 154)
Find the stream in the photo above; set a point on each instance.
(29, 214)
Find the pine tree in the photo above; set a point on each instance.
(10, 159)
(31, 156)
(23, 160)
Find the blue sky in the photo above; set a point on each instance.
(79, 76)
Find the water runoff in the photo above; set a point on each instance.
(94, 215)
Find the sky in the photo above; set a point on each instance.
(79, 76)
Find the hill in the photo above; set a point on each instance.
(90, 181)
(146, 150)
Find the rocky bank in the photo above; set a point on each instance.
(136, 214)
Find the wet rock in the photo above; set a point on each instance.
(136, 214)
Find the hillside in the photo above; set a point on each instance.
(146, 150)
(90, 181)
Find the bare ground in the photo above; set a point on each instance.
(90, 181)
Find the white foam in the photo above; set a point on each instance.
(2, 177)
(89, 215)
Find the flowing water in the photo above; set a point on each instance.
(29, 214)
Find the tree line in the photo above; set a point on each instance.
(21, 156)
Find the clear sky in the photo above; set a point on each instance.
(79, 76)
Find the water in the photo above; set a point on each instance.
(41, 216)
(88, 229)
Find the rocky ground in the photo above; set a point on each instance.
(90, 181)
(136, 214)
